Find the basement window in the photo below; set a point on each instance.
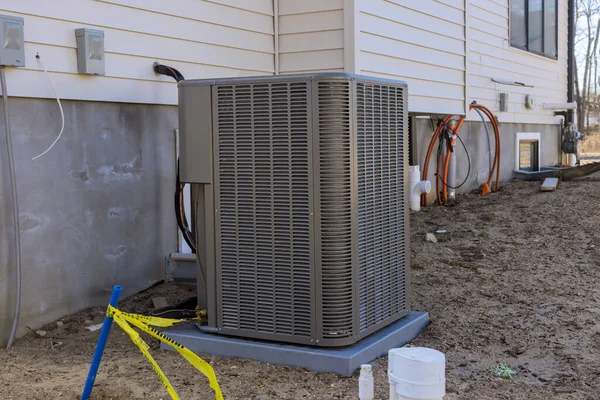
(534, 26)
(527, 151)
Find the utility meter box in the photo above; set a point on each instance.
(12, 42)
(90, 51)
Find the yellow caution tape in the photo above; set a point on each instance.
(142, 322)
(154, 321)
(144, 348)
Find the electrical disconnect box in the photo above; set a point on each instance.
(12, 42)
(503, 102)
(90, 51)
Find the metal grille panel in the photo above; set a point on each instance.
(381, 244)
(263, 202)
(335, 188)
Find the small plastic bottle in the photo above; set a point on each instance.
(366, 390)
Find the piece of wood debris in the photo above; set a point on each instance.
(160, 302)
(549, 184)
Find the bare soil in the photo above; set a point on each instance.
(515, 280)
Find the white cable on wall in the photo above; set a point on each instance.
(62, 114)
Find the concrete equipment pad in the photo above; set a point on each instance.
(342, 360)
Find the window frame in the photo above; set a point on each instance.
(526, 48)
(528, 137)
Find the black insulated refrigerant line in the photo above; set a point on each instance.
(161, 69)
(182, 223)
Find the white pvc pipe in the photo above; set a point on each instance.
(452, 171)
(366, 388)
(416, 373)
(416, 187)
(560, 106)
(572, 160)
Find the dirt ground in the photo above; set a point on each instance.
(515, 280)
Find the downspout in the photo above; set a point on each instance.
(570, 58)
(276, 35)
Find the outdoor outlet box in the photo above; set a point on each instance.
(529, 102)
(12, 41)
(90, 51)
(503, 102)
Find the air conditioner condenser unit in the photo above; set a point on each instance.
(299, 188)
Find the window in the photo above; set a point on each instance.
(529, 155)
(527, 151)
(533, 26)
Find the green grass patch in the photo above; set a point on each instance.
(503, 371)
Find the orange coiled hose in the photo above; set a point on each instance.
(496, 164)
(437, 132)
(443, 196)
(446, 163)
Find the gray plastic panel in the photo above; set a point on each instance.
(195, 134)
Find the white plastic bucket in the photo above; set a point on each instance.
(416, 373)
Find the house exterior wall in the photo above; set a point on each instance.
(448, 52)
(311, 36)
(95, 211)
(490, 56)
(419, 41)
(203, 39)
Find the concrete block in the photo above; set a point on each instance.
(549, 184)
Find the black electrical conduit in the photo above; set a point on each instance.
(182, 222)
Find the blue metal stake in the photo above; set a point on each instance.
(89, 383)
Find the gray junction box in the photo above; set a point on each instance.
(90, 51)
(299, 211)
(12, 41)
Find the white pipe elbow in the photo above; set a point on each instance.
(423, 187)
(417, 187)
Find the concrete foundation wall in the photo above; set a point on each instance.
(94, 212)
(474, 136)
